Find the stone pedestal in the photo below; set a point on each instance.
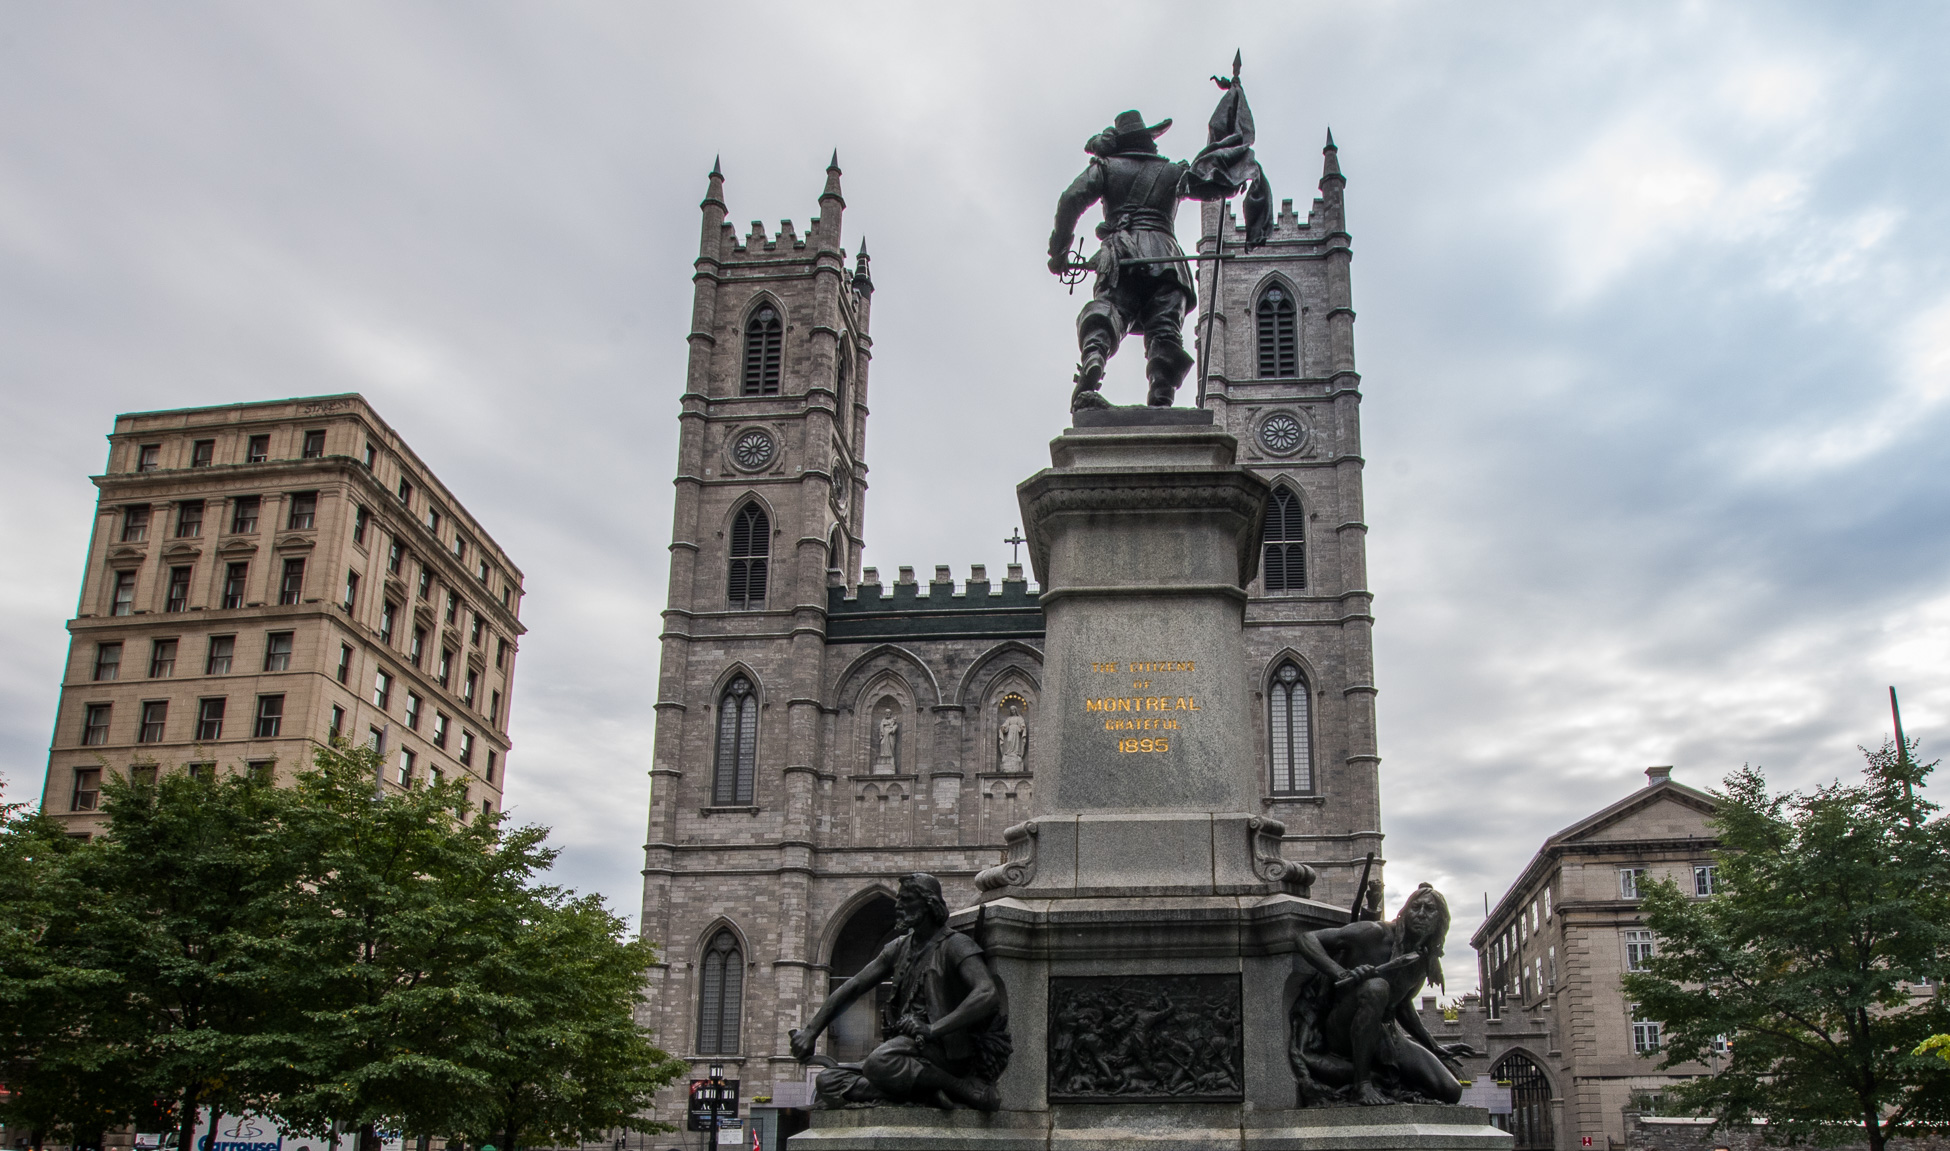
(1143, 921)
(1157, 1128)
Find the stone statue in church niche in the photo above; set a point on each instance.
(886, 754)
(1012, 740)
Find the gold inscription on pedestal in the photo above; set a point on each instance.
(1145, 712)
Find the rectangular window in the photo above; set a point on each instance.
(504, 598)
(258, 451)
(382, 690)
(87, 789)
(304, 511)
(482, 573)
(474, 633)
(201, 771)
(148, 457)
(234, 578)
(466, 755)
(361, 519)
(413, 702)
(351, 589)
(292, 585)
(494, 708)
(345, 663)
(376, 740)
(222, 648)
(426, 581)
(387, 614)
(394, 555)
(1638, 950)
(124, 594)
(135, 524)
(500, 653)
(94, 724)
(277, 651)
(372, 455)
(1550, 967)
(490, 766)
(189, 519)
(1645, 1033)
(453, 608)
(261, 771)
(162, 658)
(1629, 881)
(142, 774)
(406, 762)
(178, 597)
(338, 721)
(270, 716)
(418, 648)
(209, 719)
(243, 515)
(155, 716)
(1706, 879)
(203, 453)
(440, 722)
(108, 661)
(1547, 904)
(460, 546)
(314, 444)
(406, 491)
(446, 667)
(467, 688)
(433, 519)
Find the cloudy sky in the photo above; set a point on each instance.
(1654, 329)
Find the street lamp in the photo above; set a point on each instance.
(717, 1100)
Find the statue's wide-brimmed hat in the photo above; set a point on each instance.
(1132, 123)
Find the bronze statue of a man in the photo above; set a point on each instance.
(1144, 281)
(947, 1022)
(1355, 1034)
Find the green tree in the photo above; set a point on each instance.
(1832, 906)
(151, 977)
(567, 1061)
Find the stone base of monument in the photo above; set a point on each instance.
(1179, 1127)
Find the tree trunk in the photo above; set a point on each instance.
(369, 1137)
(1873, 1125)
(186, 1134)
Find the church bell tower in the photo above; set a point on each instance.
(1275, 332)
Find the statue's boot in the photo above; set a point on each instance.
(1089, 378)
(1166, 369)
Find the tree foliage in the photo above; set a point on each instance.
(329, 952)
(1833, 908)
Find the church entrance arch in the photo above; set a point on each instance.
(1530, 1102)
(857, 1030)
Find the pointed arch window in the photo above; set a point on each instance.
(1290, 722)
(721, 994)
(1279, 343)
(751, 544)
(764, 348)
(842, 376)
(1283, 564)
(735, 764)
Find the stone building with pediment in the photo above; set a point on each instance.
(821, 732)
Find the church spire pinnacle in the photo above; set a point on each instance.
(833, 178)
(714, 185)
(1331, 164)
(862, 277)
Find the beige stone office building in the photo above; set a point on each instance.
(264, 576)
(820, 732)
(1551, 954)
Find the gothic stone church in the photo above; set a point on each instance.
(820, 733)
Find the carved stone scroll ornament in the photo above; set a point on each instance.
(1140, 1038)
(1018, 864)
(1296, 878)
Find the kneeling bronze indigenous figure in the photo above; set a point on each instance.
(947, 1022)
(1355, 1035)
